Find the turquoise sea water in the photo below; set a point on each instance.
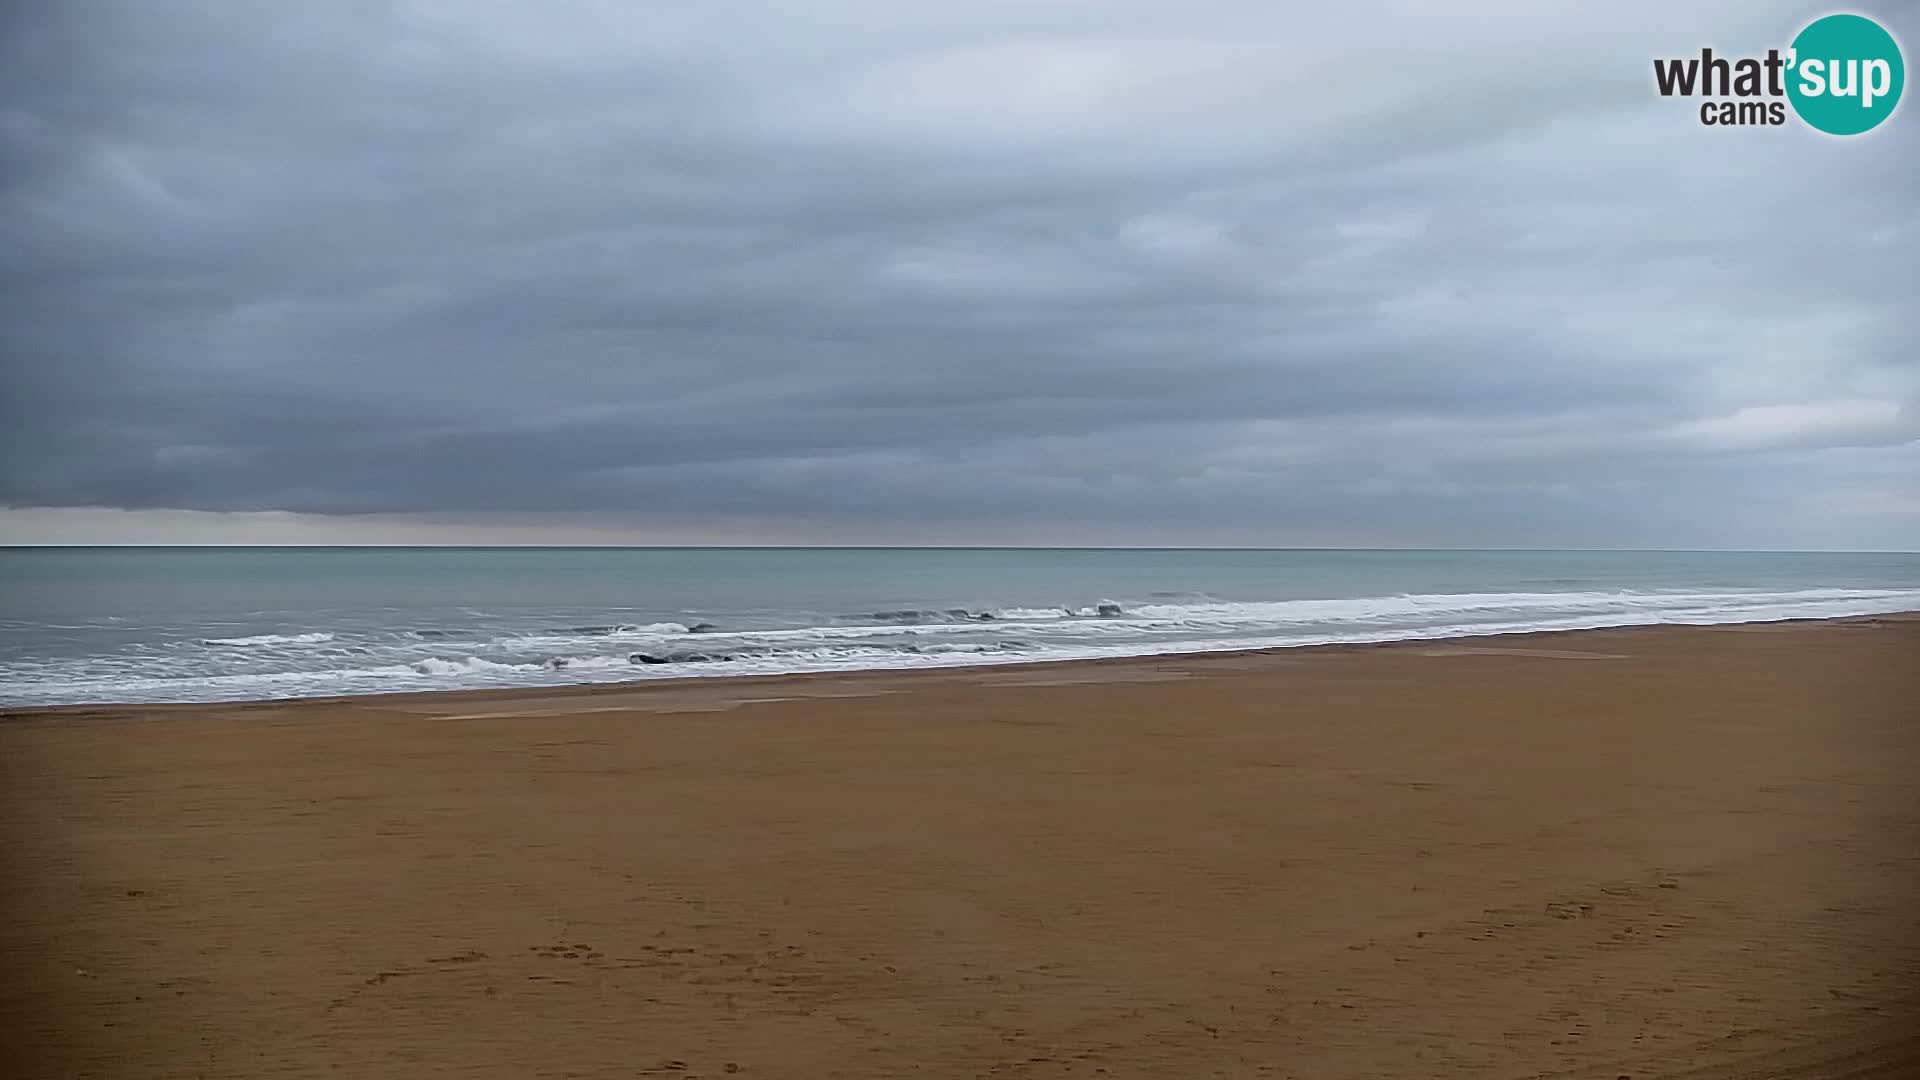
(201, 624)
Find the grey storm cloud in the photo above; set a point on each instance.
(1368, 271)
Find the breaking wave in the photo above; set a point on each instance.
(618, 629)
(950, 616)
(466, 665)
(500, 651)
(270, 639)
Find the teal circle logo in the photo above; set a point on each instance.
(1845, 74)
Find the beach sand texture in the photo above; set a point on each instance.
(1668, 852)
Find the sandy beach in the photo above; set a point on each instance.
(1667, 852)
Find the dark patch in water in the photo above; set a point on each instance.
(912, 616)
(691, 656)
(714, 656)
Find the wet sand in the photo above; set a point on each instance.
(1671, 852)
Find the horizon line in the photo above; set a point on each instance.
(943, 547)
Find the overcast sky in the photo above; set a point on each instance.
(1062, 271)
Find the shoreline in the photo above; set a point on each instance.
(1647, 851)
(948, 672)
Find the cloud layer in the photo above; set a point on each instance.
(1107, 271)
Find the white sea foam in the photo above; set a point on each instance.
(645, 629)
(1425, 607)
(1017, 635)
(564, 639)
(271, 639)
(1030, 614)
(467, 665)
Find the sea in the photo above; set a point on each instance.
(126, 625)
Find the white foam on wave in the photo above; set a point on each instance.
(1028, 614)
(649, 629)
(1746, 608)
(271, 639)
(1146, 630)
(189, 688)
(1427, 606)
(589, 663)
(1410, 611)
(466, 665)
(563, 639)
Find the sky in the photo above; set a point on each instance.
(966, 272)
